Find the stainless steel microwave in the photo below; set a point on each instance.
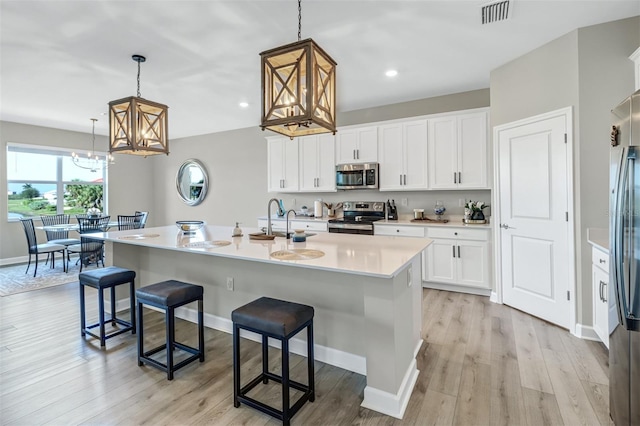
(357, 176)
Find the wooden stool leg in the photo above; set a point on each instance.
(285, 382)
(236, 365)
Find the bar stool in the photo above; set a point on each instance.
(280, 320)
(169, 295)
(108, 277)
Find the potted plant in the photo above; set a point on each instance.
(473, 210)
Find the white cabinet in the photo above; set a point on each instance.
(357, 145)
(603, 302)
(457, 154)
(402, 153)
(282, 168)
(398, 230)
(317, 163)
(281, 225)
(458, 256)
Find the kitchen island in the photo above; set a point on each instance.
(365, 290)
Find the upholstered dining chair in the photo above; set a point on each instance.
(143, 220)
(58, 236)
(36, 249)
(129, 222)
(90, 250)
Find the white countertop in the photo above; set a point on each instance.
(599, 237)
(378, 256)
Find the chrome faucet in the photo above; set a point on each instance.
(269, 229)
(287, 216)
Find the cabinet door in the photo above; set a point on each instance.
(601, 304)
(367, 149)
(472, 150)
(275, 167)
(308, 146)
(346, 144)
(443, 153)
(415, 155)
(391, 157)
(472, 263)
(441, 263)
(326, 153)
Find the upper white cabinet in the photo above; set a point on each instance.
(282, 173)
(457, 155)
(317, 163)
(402, 153)
(357, 145)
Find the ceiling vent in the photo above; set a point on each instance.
(495, 11)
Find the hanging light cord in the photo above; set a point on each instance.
(138, 78)
(299, 19)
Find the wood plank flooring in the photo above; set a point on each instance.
(480, 364)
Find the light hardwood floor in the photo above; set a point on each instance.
(481, 364)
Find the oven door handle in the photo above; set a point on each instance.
(350, 226)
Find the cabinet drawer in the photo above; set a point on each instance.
(600, 259)
(458, 233)
(401, 231)
(308, 225)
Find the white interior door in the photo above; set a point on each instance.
(534, 229)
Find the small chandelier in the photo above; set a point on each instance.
(138, 126)
(93, 161)
(298, 88)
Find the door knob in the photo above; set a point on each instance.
(505, 226)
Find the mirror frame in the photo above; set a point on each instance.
(205, 182)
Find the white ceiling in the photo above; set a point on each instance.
(63, 61)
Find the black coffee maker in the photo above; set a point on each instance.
(392, 210)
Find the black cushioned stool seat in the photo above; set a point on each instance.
(168, 295)
(280, 320)
(108, 277)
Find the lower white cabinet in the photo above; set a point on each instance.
(458, 256)
(281, 225)
(603, 301)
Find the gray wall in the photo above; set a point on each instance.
(589, 70)
(130, 179)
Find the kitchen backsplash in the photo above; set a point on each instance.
(414, 200)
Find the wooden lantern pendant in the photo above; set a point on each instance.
(298, 90)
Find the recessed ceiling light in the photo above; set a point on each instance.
(391, 73)
(243, 104)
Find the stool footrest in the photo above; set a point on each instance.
(145, 357)
(243, 398)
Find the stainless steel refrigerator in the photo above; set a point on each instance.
(624, 265)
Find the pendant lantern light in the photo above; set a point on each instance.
(92, 161)
(136, 125)
(298, 88)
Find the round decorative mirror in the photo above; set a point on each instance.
(192, 182)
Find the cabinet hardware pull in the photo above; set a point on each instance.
(455, 178)
(603, 285)
(354, 154)
(459, 177)
(400, 180)
(358, 154)
(458, 251)
(405, 179)
(454, 251)
(601, 260)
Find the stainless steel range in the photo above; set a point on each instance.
(358, 217)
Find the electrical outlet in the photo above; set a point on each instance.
(230, 283)
(293, 202)
(405, 201)
(460, 202)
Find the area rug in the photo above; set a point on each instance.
(13, 279)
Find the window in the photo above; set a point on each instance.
(44, 181)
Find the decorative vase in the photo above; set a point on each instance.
(477, 215)
(439, 209)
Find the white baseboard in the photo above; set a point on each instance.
(392, 404)
(493, 297)
(417, 349)
(457, 288)
(586, 332)
(14, 260)
(341, 359)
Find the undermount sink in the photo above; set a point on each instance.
(283, 234)
(297, 254)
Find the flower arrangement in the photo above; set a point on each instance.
(475, 206)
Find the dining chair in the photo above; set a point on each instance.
(36, 249)
(143, 221)
(90, 250)
(58, 236)
(129, 222)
